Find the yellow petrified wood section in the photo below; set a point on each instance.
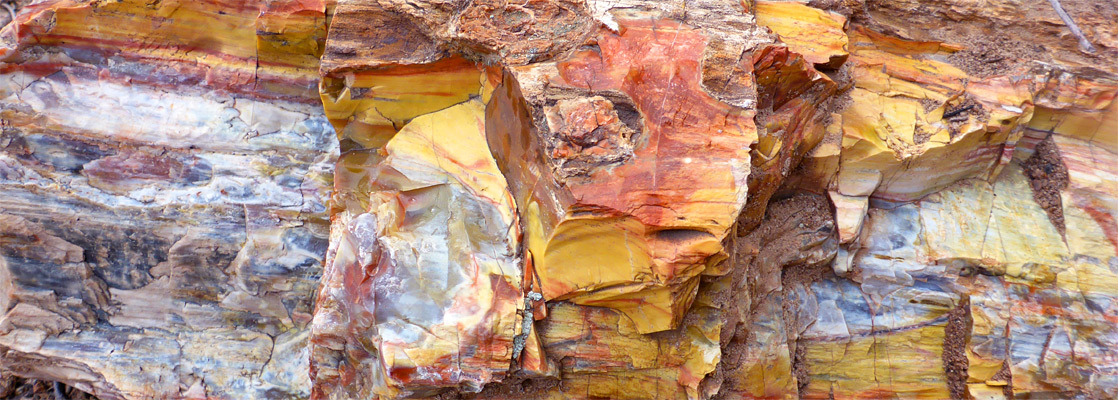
(816, 34)
(423, 287)
(604, 356)
(917, 124)
(913, 115)
(276, 56)
(424, 281)
(369, 106)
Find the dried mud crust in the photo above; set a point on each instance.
(955, 362)
(811, 210)
(800, 370)
(929, 104)
(1048, 176)
(733, 334)
(921, 136)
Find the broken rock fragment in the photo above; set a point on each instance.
(628, 172)
(423, 290)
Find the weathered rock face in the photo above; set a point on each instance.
(164, 171)
(625, 199)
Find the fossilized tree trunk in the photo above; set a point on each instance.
(549, 199)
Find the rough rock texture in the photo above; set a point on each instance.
(164, 170)
(558, 199)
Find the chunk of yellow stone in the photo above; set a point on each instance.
(906, 364)
(891, 129)
(618, 249)
(365, 103)
(1019, 232)
(816, 34)
(604, 356)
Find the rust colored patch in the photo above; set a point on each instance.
(1101, 217)
(690, 139)
(402, 374)
(133, 169)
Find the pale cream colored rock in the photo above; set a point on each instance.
(850, 211)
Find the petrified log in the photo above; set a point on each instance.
(164, 176)
(545, 199)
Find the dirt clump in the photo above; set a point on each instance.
(1005, 375)
(955, 362)
(991, 56)
(788, 250)
(1048, 176)
(800, 370)
(921, 136)
(929, 104)
(957, 115)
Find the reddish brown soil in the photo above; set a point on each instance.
(990, 56)
(1048, 176)
(1005, 374)
(800, 369)
(955, 362)
(510, 388)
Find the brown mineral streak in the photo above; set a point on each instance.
(558, 199)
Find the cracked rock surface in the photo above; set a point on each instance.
(558, 199)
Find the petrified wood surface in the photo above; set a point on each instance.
(559, 199)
